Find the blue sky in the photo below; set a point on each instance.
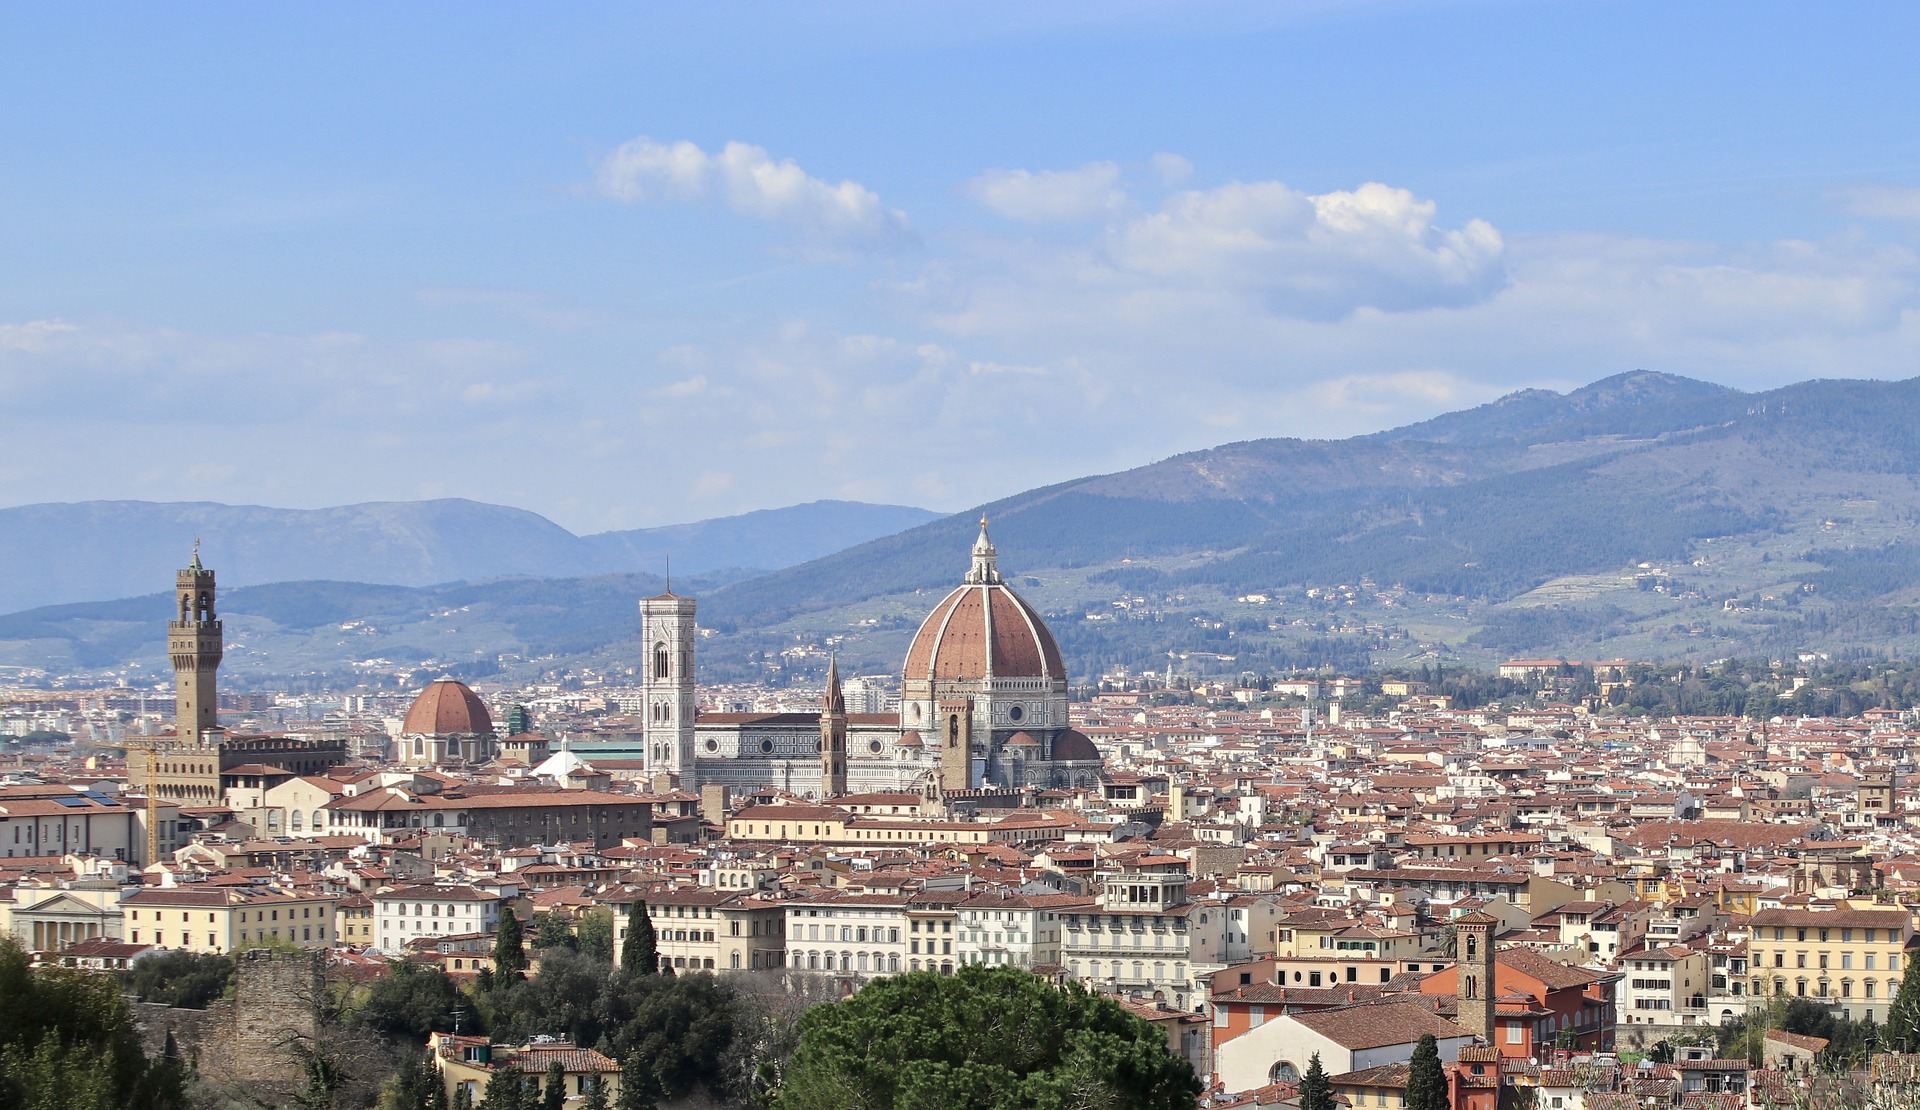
(628, 265)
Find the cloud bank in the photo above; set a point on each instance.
(749, 182)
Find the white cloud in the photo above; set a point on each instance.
(1319, 257)
(34, 335)
(749, 182)
(1172, 169)
(1894, 203)
(1090, 192)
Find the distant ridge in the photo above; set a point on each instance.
(95, 550)
(1643, 516)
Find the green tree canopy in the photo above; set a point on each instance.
(509, 946)
(1902, 1031)
(595, 932)
(1315, 1092)
(983, 1039)
(67, 1042)
(411, 1001)
(185, 979)
(639, 953)
(1426, 1083)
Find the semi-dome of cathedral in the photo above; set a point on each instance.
(448, 708)
(983, 630)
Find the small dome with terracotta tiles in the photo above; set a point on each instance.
(448, 707)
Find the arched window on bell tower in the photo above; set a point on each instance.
(660, 661)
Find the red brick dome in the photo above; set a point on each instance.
(448, 708)
(983, 630)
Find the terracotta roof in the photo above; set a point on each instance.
(984, 631)
(448, 707)
(1358, 1027)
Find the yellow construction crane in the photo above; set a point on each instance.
(152, 747)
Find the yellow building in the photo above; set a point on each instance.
(353, 920)
(226, 920)
(470, 1062)
(1852, 958)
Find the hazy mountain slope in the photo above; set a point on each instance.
(1645, 516)
(768, 538)
(319, 631)
(1292, 500)
(102, 549)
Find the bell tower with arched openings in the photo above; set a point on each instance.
(1473, 959)
(667, 634)
(196, 644)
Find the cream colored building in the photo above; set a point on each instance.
(697, 929)
(226, 920)
(467, 1063)
(1848, 958)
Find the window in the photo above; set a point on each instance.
(1513, 1033)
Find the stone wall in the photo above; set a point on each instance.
(256, 1035)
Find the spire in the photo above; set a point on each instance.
(835, 703)
(985, 570)
(195, 565)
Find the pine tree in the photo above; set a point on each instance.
(506, 1089)
(1902, 1031)
(509, 946)
(1315, 1092)
(1426, 1083)
(639, 953)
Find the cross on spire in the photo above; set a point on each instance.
(986, 570)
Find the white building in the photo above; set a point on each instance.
(1012, 930)
(406, 914)
(1137, 939)
(862, 935)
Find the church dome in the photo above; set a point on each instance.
(983, 630)
(448, 708)
(1074, 746)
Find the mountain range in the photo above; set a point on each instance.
(92, 550)
(1646, 515)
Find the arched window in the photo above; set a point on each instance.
(660, 660)
(1284, 1072)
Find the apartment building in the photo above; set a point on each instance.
(698, 929)
(406, 914)
(1851, 958)
(1012, 930)
(226, 919)
(862, 935)
(1136, 939)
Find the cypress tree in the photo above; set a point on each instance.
(1426, 1083)
(554, 1095)
(1902, 1031)
(1315, 1092)
(638, 953)
(509, 947)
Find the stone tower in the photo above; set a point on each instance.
(1473, 963)
(833, 736)
(195, 643)
(667, 634)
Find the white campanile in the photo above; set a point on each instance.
(667, 634)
